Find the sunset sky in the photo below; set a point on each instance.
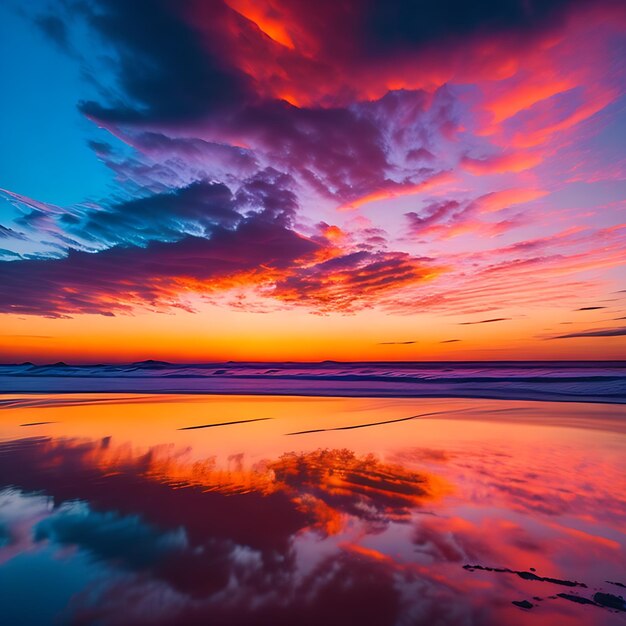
(310, 180)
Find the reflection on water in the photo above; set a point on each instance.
(479, 513)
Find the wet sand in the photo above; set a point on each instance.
(185, 509)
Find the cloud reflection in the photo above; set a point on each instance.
(192, 530)
(324, 536)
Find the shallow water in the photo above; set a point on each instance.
(170, 509)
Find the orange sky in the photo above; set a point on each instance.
(215, 334)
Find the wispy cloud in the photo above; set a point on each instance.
(488, 321)
(396, 343)
(605, 332)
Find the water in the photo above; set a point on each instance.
(196, 509)
(588, 381)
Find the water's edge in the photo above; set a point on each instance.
(573, 381)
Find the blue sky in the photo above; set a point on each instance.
(43, 135)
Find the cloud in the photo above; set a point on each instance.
(347, 282)
(479, 282)
(56, 29)
(401, 25)
(396, 343)
(231, 116)
(591, 308)
(158, 275)
(489, 321)
(498, 200)
(164, 72)
(502, 163)
(450, 341)
(259, 253)
(436, 213)
(195, 210)
(233, 52)
(606, 332)
(444, 219)
(9, 233)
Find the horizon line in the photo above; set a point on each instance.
(292, 362)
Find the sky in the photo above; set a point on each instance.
(296, 180)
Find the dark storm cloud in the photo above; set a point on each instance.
(170, 71)
(403, 24)
(164, 71)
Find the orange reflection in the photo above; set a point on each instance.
(322, 484)
(319, 520)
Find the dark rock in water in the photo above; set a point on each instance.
(523, 604)
(578, 599)
(610, 601)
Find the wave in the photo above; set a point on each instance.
(581, 381)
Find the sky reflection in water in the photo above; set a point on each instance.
(109, 514)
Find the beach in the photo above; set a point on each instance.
(183, 508)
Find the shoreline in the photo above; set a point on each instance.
(529, 395)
